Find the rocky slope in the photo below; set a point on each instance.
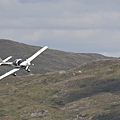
(88, 92)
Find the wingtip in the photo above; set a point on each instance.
(46, 47)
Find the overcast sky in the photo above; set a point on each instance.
(90, 26)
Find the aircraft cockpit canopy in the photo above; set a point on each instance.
(17, 62)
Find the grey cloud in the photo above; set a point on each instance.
(36, 1)
(70, 25)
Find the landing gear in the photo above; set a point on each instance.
(14, 74)
(27, 69)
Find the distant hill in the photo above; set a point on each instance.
(50, 60)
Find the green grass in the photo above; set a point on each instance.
(63, 95)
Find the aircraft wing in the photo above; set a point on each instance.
(35, 55)
(9, 73)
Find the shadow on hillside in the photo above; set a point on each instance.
(91, 88)
(110, 116)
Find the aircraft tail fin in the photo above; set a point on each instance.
(0, 60)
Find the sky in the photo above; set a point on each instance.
(80, 26)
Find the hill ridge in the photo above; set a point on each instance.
(50, 60)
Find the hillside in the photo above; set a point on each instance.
(50, 60)
(88, 92)
(64, 86)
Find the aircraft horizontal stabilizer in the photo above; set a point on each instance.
(5, 60)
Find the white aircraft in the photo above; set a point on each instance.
(18, 64)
